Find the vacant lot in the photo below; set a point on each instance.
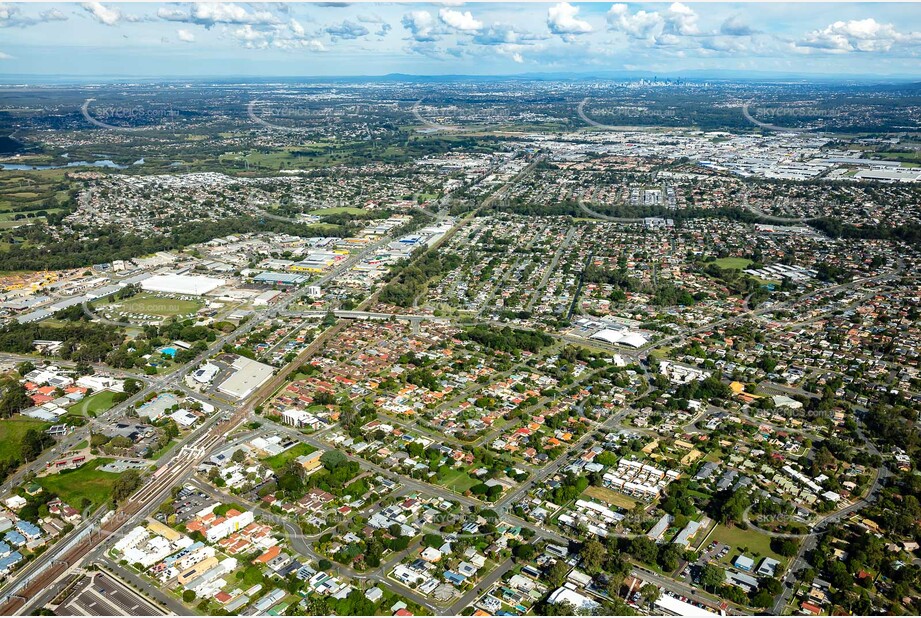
(72, 486)
(11, 433)
(94, 404)
(458, 481)
(343, 210)
(609, 496)
(277, 462)
(152, 305)
(733, 263)
(752, 543)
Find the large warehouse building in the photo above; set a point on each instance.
(247, 377)
(192, 285)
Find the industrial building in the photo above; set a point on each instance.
(191, 285)
(273, 278)
(249, 376)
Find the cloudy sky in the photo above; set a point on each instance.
(338, 38)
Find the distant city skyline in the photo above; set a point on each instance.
(343, 39)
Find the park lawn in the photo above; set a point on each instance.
(900, 156)
(714, 455)
(458, 481)
(12, 431)
(94, 404)
(733, 263)
(342, 210)
(609, 496)
(72, 486)
(758, 544)
(166, 307)
(277, 462)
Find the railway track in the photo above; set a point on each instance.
(160, 483)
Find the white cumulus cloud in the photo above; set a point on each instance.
(860, 35)
(562, 20)
(185, 36)
(421, 25)
(459, 21)
(208, 14)
(669, 27)
(12, 17)
(286, 36)
(640, 25)
(734, 26)
(102, 13)
(681, 20)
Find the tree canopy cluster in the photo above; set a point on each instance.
(43, 251)
(509, 340)
(411, 281)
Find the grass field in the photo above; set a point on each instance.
(166, 307)
(11, 433)
(661, 353)
(908, 157)
(756, 544)
(733, 263)
(94, 404)
(277, 462)
(609, 496)
(72, 486)
(343, 210)
(458, 481)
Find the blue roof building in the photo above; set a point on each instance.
(28, 529)
(454, 578)
(744, 563)
(14, 538)
(9, 561)
(274, 278)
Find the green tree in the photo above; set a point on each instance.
(651, 593)
(125, 485)
(33, 443)
(711, 577)
(332, 460)
(14, 400)
(557, 573)
(593, 555)
(524, 551)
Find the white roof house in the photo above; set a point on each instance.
(580, 602)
